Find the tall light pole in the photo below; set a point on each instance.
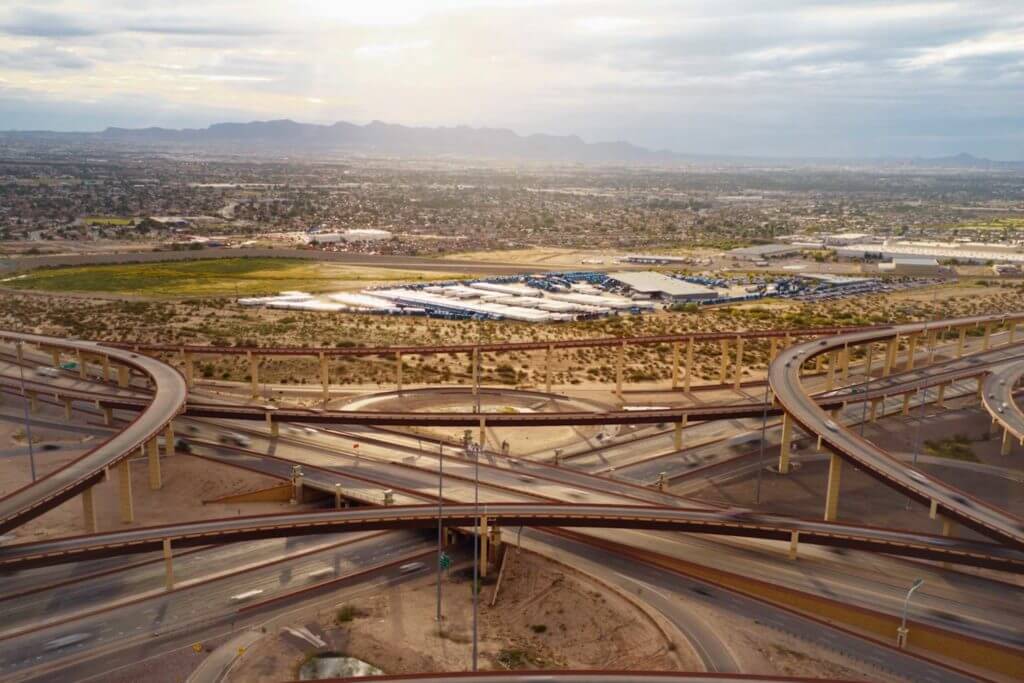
(923, 393)
(440, 525)
(28, 421)
(476, 545)
(902, 631)
(864, 388)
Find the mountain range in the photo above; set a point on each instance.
(285, 136)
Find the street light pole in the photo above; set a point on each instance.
(440, 526)
(865, 386)
(923, 393)
(28, 421)
(902, 631)
(476, 546)
(760, 457)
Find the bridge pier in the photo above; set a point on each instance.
(911, 351)
(81, 363)
(483, 432)
(890, 357)
(773, 349)
(794, 540)
(33, 402)
(123, 376)
(819, 364)
(675, 365)
(948, 526)
(398, 372)
(547, 369)
(124, 477)
(835, 468)
(679, 432)
(874, 408)
(830, 379)
(324, 378)
(54, 354)
(931, 343)
(483, 533)
(272, 426)
(168, 565)
(108, 415)
(723, 366)
(619, 368)
(187, 364)
(986, 339)
(906, 404)
(689, 365)
(67, 409)
(254, 374)
(1004, 449)
(844, 361)
(155, 481)
(169, 439)
(961, 340)
(940, 400)
(738, 375)
(89, 511)
(786, 443)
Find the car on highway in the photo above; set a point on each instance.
(47, 372)
(182, 446)
(192, 429)
(245, 596)
(831, 426)
(235, 439)
(66, 641)
(51, 447)
(410, 567)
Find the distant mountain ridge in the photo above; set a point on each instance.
(384, 138)
(284, 136)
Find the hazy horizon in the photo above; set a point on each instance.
(855, 79)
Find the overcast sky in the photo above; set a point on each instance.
(740, 77)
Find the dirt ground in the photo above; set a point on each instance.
(546, 617)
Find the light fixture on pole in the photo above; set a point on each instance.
(902, 631)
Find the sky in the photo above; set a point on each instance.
(796, 78)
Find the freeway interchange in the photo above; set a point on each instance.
(158, 395)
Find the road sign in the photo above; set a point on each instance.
(445, 560)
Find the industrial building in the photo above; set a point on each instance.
(663, 287)
(354, 235)
(962, 253)
(760, 252)
(656, 259)
(913, 266)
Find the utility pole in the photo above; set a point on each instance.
(28, 421)
(440, 525)
(917, 432)
(476, 547)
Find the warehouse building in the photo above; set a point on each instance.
(761, 252)
(915, 267)
(663, 287)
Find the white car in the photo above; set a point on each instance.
(831, 426)
(410, 567)
(66, 641)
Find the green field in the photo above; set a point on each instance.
(213, 277)
(108, 220)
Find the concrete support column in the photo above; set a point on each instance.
(986, 340)
(169, 439)
(835, 469)
(254, 374)
(1007, 443)
(155, 481)
(738, 374)
(168, 565)
(89, 511)
(911, 351)
(105, 360)
(476, 368)
(123, 376)
(272, 426)
(619, 367)
(483, 533)
(906, 404)
(675, 365)
(124, 476)
(108, 415)
(940, 401)
(723, 366)
(890, 356)
(961, 340)
(67, 409)
(547, 368)
(844, 361)
(773, 349)
(948, 526)
(33, 402)
(931, 343)
(325, 378)
(189, 368)
(679, 433)
(830, 379)
(81, 364)
(786, 444)
(868, 362)
(874, 408)
(483, 432)
(689, 365)
(398, 371)
(794, 541)
(1011, 328)
(819, 364)
(54, 354)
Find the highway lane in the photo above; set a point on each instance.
(134, 632)
(170, 395)
(93, 593)
(728, 522)
(672, 593)
(784, 376)
(999, 401)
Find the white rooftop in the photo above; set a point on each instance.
(649, 282)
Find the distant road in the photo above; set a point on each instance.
(418, 263)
